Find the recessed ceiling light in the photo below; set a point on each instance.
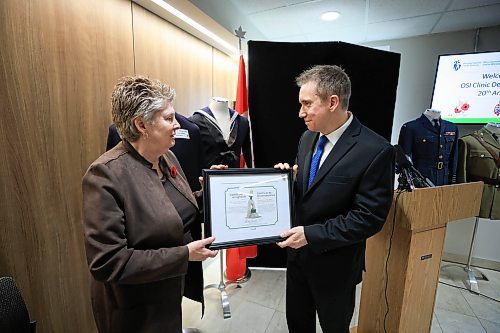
(330, 16)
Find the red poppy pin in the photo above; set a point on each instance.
(173, 171)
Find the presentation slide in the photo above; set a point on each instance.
(467, 88)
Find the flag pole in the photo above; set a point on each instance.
(236, 269)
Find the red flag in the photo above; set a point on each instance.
(241, 90)
(242, 99)
(236, 257)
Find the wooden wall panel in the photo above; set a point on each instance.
(225, 78)
(164, 52)
(59, 61)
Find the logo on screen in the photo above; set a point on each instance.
(456, 65)
(496, 110)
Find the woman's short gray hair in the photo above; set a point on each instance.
(330, 80)
(138, 96)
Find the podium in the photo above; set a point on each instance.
(403, 259)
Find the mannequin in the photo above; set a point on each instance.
(224, 134)
(433, 113)
(220, 110)
(431, 142)
(479, 161)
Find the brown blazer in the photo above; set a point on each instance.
(134, 241)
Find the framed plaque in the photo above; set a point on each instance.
(247, 206)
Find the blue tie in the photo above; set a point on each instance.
(316, 158)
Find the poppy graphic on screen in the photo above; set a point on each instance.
(461, 107)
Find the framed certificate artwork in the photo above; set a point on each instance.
(247, 206)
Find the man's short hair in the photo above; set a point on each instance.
(330, 80)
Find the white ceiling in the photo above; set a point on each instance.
(360, 21)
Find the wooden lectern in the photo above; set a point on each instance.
(413, 257)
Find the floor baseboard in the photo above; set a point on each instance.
(476, 262)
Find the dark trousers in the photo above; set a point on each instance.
(308, 292)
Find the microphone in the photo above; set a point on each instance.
(409, 177)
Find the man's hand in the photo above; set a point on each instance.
(198, 251)
(286, 166)
(296, 238)
(218, 167)
(213, 167)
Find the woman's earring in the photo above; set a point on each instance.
(146, 135)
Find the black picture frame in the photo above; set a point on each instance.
(245, 207)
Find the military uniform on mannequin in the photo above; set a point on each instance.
(431, 142)
(479, 161)
(224, 134)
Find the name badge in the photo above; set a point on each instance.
(449, 133)
(182, 133)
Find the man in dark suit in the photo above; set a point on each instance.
(337, 207)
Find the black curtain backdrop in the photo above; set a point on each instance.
(274, 107)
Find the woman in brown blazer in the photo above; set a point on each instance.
(137, 210)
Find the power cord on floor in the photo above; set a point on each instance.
(387, 259)
(459, 287)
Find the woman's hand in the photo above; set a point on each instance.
(198, 251)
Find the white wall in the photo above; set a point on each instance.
(416, 79)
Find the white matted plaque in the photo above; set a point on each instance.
(247, 206)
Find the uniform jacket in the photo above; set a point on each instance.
(347, 202)
(134, 241)
(476, 163)
(433, 153)
(188, 150)
(215, 149)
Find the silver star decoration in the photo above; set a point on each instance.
(240, 33)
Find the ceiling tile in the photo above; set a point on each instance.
(385, 10)
(305, 18)
(396, 29)
(352, 34)
(256, 6)
(469, 19)
(277, 23)
(463, 4)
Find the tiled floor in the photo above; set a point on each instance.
(259, 306)
(459, 310)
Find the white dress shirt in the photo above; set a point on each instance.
(333, 137)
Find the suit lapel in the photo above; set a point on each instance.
(347, 140)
